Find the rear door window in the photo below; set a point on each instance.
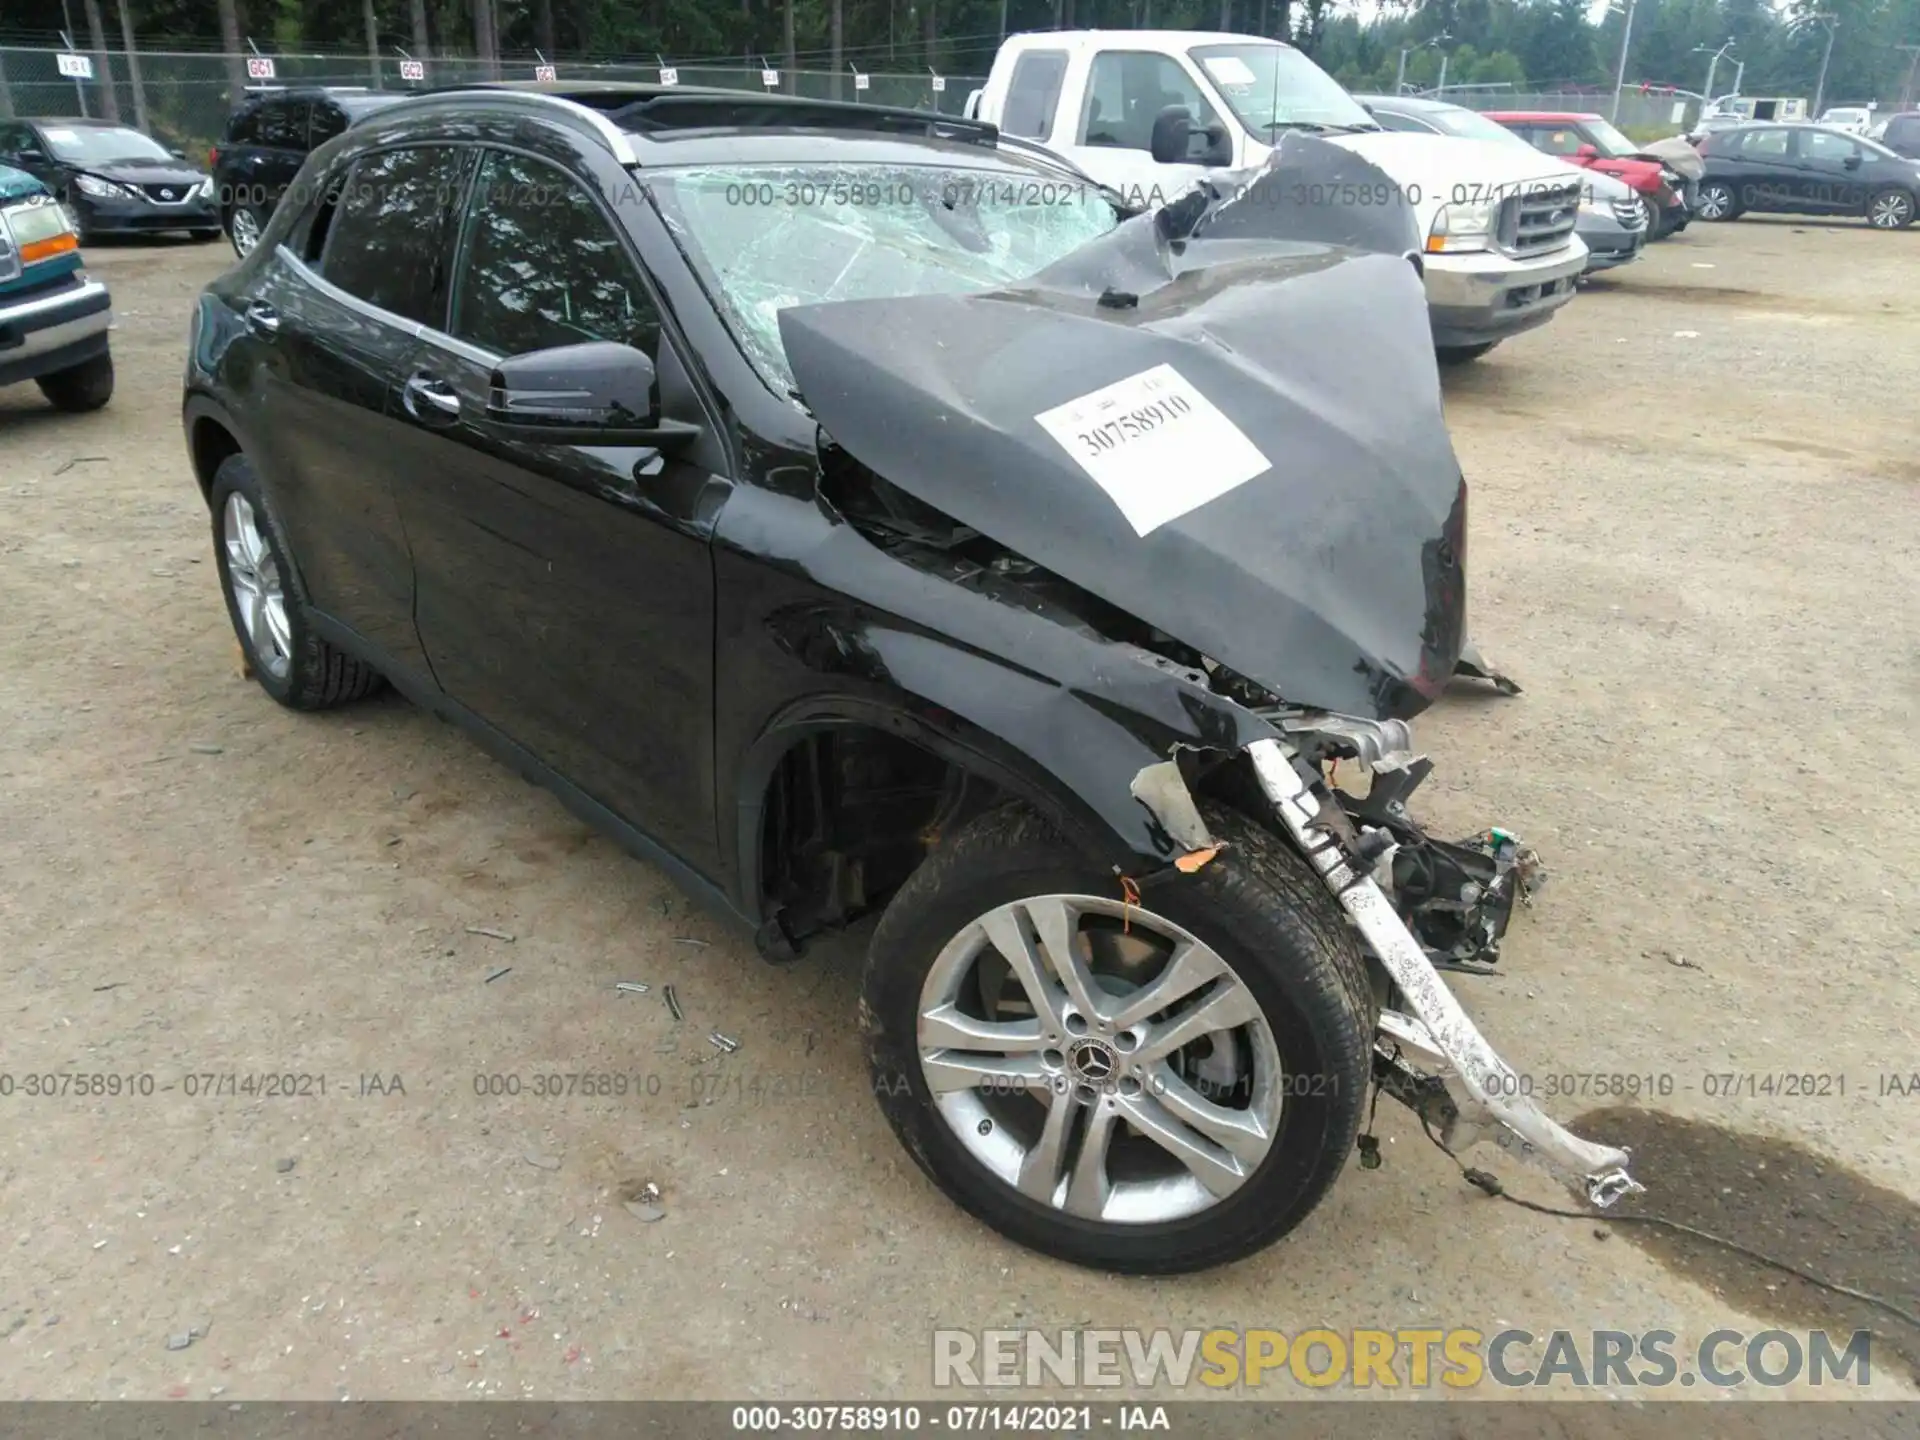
(244, 127)
(1764, 144)
(328, 121)
(386, 235)
(1034, 94)
(542, 266)
(282, 125)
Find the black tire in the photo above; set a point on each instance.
(1657, 227)
(317, 675)
(1891, 207)
(82, 387)
(1716, 200)
(1463, 354)
(1261, 908)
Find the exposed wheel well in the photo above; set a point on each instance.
(209, 443)
(848, 814)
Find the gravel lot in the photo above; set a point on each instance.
(1695, 532)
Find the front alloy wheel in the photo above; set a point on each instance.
(1148, 1083)
(1099, 1059)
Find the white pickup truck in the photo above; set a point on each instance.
(1149, 112)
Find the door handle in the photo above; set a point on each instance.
(261, 318)
(429, 399)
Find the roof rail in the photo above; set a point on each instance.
(553, 107)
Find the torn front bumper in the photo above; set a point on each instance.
(1433, 1056)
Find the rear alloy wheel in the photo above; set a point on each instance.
(1149, 1087)
(1890, 209)
(1715, 201)
(243, 229)
(267, 605)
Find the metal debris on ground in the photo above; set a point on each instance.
(630, 987)
(490, 933)
(206, 747)
(724, 1042)
(645, 1211)
(673, 1004)
(504, 969)
(114, 985)
(689, 940)
(81, 460)
(542, 1162)
(180, 1341)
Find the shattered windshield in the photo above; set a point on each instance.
(764, 237)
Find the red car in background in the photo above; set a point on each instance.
(1663, 175)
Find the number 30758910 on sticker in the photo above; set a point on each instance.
(1155, 444)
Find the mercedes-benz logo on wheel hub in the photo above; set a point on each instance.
(1092, 1062)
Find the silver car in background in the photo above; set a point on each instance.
(1612, 221)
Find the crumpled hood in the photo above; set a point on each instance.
(1677, 154)
(1241, 444)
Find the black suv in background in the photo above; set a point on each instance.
(114, 178)
(268, 139)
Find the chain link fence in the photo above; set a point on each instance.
(183, 98)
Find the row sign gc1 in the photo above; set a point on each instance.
(76, 67)
(259, 67)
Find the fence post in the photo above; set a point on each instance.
(133, 64)
(6, 92)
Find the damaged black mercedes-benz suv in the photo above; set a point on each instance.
(859, 514)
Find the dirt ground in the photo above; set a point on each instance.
(1695, 527)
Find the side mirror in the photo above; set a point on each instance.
(1172, 139)
(595, 386)
(1587, 152)
(1852, 162)
(598, 392)
(177, 153)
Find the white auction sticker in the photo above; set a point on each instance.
(1156, 445)
(1230, 70)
